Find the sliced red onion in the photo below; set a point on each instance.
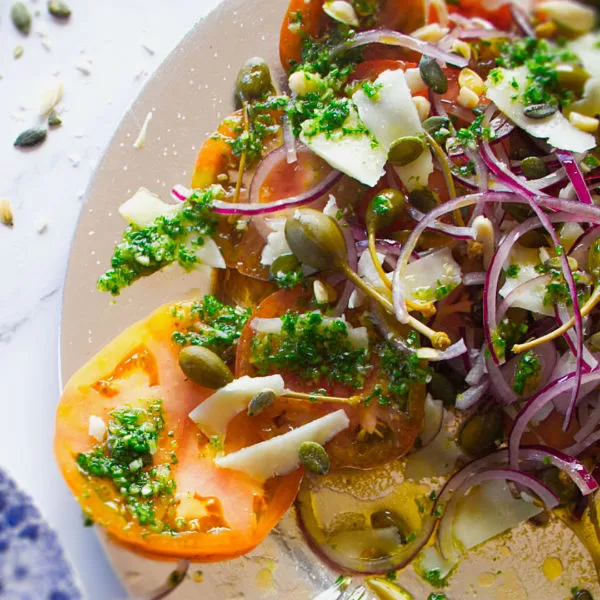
(590, 423)
(567, 160)
(477, 278)
(537, 402)
(522, 20)
(229, 208)
(459, 233)
(477, 372)
(579, 447)
(581, 477)
(581, 247)
(289, 141)
(433, 355)
(484, 34)
(382, 245)
(180, 192)
(472, 395)
(445, 533)
(390, 37)
(352, 258)
(500, 388)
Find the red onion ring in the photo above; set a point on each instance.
(484, 34)
(471, 396)
(522, 20)
(567, 160)
(289, 141)
(537, 402)
(477, 278)
(591, 421)
(390, 37)
(459, 233)
(579, 447)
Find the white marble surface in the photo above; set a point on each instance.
(46, 187)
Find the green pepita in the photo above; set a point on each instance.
(572, 77)
(204, 367)
(433, 75)
(423, 199)
(18, 52)
(261, 402)
(534, 167)
(31, 137)
(480, 433)
(583, 595)
(59, 9)
(540, 111)
(314, 458)
(433, 124)
(406, 150)
(21, 17)
(383, 519)
(54, 119)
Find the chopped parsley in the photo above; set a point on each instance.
(311, 348)
(436, 596)
(371, 89)
(527, 373)
(508, 334)
(433, 577)
(250, 141)
(145, 250)
(513, 271)
(125, 458)
(401, 371)
(541, 57)
(211, 324)
(470, 136)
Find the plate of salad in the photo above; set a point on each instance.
(330, 324)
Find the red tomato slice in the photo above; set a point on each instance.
(387, 433)
(303, 17)
(227, 512)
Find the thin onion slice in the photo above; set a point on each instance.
(567, 160)
(390, 37)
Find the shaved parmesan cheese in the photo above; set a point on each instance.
(586, 48)
(572, 15)
(391, 114)
(489, 510)
(557, 129)
(213, 415)
(425, 279)
(533, 298)
(276, 242)
(144, 207)
(279, 455)
(357, 336)
(141, 138)
(358, 155)
(97, 428)
(210, 254)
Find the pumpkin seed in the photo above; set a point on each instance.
(6, 214)
(21, 17)
(434, 124)
(433, 75)
(31, 137)
(314, 458)
(59, 9)
(260, 402)
(583, 595)
(540, 111)
(534, 167)
(18, 51)
(406, 150)
(54, 119)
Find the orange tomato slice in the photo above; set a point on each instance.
(226, 513)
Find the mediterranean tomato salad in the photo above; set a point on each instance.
(404, 227)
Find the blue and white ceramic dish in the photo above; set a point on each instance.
(33, 565)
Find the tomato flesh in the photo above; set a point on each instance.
(228, 512)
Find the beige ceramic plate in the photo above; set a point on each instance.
(189, 96)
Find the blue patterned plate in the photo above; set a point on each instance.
(33, 565)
